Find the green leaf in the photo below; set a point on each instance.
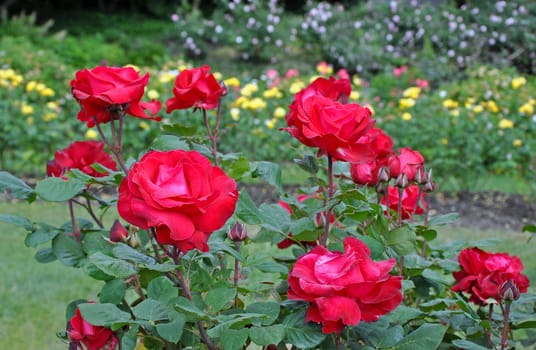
(246, 210)
(17, 221)
(402, 314)
(45, 255)
(113, 291)
(299, 333)
(401, 240)
(217, 298)
(269, 172)
(94, 241)
(524, 324)
(67, 250)
(151, 310)
(308, 163)
(272, 266)
(192, 312)
(169, 143)
(103, 314)
(125, 252)
(267, 335)
(427, 336)
(445, 219)
(468, 345)
(238, 168)
(304, 229)
(112, 266)
(129, 339)
(55, 189)
(172, 331)
(436, 276)
(17, 188)
(40, 236)
(269, 309)
(275, 218)
(162, 289)
(234, 339)
(180, 129)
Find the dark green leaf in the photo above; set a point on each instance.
(94, 241)
(275, 218)
(402, 314)
(529, 228)
(269, 310)
(234, 339)
(180, 129)
(246, 210)
(172, 331)
(270, 172)
(113, 291)
(299, 333)
(45, 255)
(40, 236)
(17, 221)
(267, 335)
(151, 310)
(308, 163)
(524, 324)
(192, 312)
(272, 266)
(238, 168)
(67, 250)
(129, 339)
(162, 289)
(71, 308)
(468, 345)
(55, 189)
(112, 266)
(427, 336)
(125, 252)
(103, 314)
(217, 298)
(17, 188)
(436, 276)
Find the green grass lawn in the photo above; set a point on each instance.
(34, 295)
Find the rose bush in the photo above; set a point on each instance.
(197, 264)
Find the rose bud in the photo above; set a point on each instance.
(402, 181)
(421, 177)
(118, 232)
(238, 232)
(509, 290)
(429, 187)
(381, 187)
(384, 174)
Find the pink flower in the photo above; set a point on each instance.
(291, 73)
(399, 71)
(344, 288)
(422, 83)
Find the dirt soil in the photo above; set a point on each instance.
(483, 210)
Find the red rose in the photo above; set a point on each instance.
(195, 87)
(179, 193)
(103, 91)
(118, 232)
(381, 146)
(344, 288)
(407, 161)
(80, 155)
(483, 274)
(93, 337)
(410, 197)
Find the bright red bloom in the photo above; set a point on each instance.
(407, 161)
(410, 197)
(195, 87)
(80, 155)
(483, 273)
(93, 337)
(317, 119)
(381, 145)
(118, 232)
(344, 288)
(104, 91)
(179, 193)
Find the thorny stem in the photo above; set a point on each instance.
(114, 148)
(331, 191)
(212, 135)
(399, 207)
(487, 331)
(76, 231)
(236, 269)
(419, 195)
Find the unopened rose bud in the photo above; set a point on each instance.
(118, 232)
(402, 181)
(384, 174)
(509, 291)
(421, 177)
(381, 187)
(238, 232)
(429, 186)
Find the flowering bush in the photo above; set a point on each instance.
(191, 262)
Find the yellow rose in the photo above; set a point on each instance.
(518, 82)
(506, 124)
(280, 112)
(235, 114)
(517, 143)
(30, 86)
(91, 134)
(270, 123)
(233, 81)
(26, 109)
(404, 103)
(450, 104)
(354, 95)
(47, 92)
(492, 106)
(412, 92)
(296, 86)
(406, 116)
(526, 108)
(153, 94)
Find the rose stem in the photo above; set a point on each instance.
(419, 195)
(236, 269)
(187, 293)
(506, 324)
(111, 147)
(76, 231)
(331, 191)
(399, 207)
(488, 333)
(212, 136)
